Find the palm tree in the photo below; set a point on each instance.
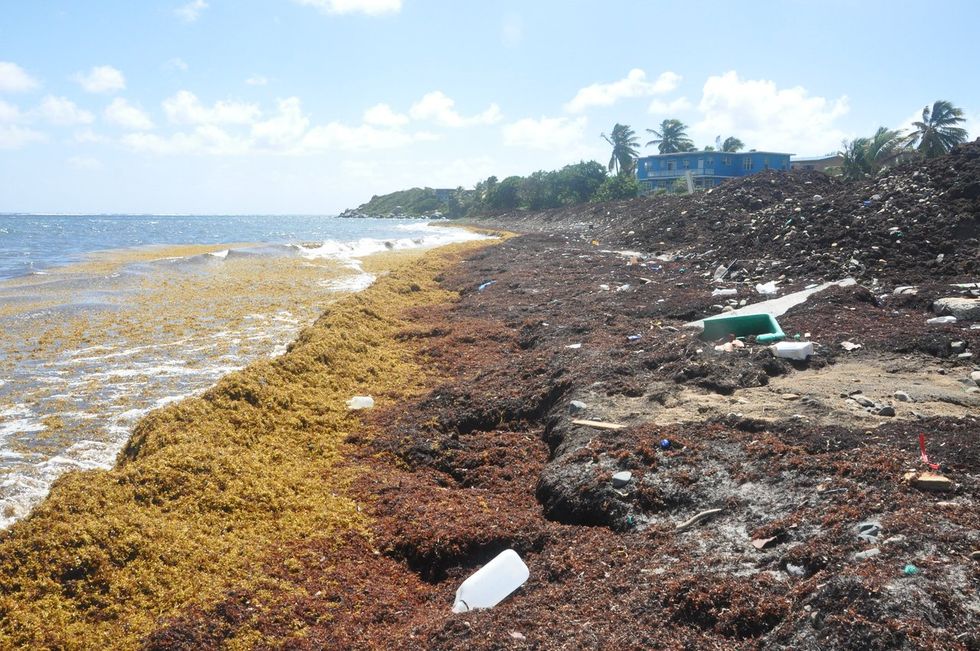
(624, 144)
(937, 133)
(732, 144)
(671, 138)
(866, 156)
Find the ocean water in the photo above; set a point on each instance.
(104, 318)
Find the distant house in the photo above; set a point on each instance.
(818, 163)
(444, 194)
(704, 169)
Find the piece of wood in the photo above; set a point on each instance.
(930, 481)
(703, 515)
(597, 424)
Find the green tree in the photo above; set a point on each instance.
(937, 133)
(579, 182)
(505, 197)
(731, 144)
(866, 156)
(624, 152)
(671, 138)
(617, 186)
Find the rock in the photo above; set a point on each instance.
(864, 401)
(795, 570)
(964, 356)
(576, 406)
(620, 479)
(906, 289)
(964, 309)
(869, 553)
(957, 346)
(901, 396)
(886, 411)
(975, 376)
(517, 635)
(975, 555)
(789, 396)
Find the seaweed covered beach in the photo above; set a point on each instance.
(771, 503)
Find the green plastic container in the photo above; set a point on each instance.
(763, 326)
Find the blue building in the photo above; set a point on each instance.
(706, 169)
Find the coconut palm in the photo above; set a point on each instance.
(866, 156)
(937, 133)
(732, 144)
(671, 138)
(624, 144)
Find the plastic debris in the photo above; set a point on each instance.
(620, 479)
(485, 285)
(360, 402)
(635, 337)
(910, 570)
(492, 583)
(868, 531)
(664, 444)
(849, 345)
(766, 289)
(941, 320)
(792, 349)
(724, 292)
(574, 346)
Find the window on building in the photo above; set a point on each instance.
(686, 163)
(765, 162)
(747, 163)
(726, 160)
(671, 165)
(711, 161)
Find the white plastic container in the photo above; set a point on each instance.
(725, 292)
(360, 402)
(792, 349)
(491, 584)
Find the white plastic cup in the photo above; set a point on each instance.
(492, 583)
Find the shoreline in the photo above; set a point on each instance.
(241, 484)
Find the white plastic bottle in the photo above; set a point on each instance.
(491, 584)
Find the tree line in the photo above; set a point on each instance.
(935, 134)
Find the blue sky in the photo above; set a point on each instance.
(312, 106)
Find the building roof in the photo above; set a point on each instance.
(814, 159)
(701, 152)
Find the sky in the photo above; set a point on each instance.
(313, 106)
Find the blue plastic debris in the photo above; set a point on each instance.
(634, 337)
(910, 570)
(485, 285)
(664, 444)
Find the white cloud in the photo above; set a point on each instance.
(769, 118)
(546, 133)
(678, 105)
(257, 80)
(383, 116)
(285, 128)
(186, 108)
(101, 79)
(14, 79)
(15, 137)
(85, 163)
(204, 139)
(87, 136)
(63, 112)
(177, 64)
(123, 114)
(191, 11)
(369, 7)
(340, 136)
(635, 84)
(439, 108)
(9, 112)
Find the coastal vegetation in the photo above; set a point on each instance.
(935, 134)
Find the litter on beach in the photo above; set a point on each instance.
(360, 402)
(598, 424)
(492, 583)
